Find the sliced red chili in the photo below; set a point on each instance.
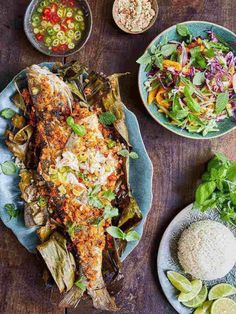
(47, 12)
(39, 37)
(64, 27)
(54, 7)
(55, 19)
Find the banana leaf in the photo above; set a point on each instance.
(59, 261)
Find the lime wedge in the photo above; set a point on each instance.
(196, 288)
(223, 306)
(179, 281)
(198, 300)
(204, 309)
(221, 290)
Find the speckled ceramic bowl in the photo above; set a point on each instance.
(141, 172)
(115, 14)
(198, 28)
(167, 254)
(83, 4)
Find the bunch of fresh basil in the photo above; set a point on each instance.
(218, 188)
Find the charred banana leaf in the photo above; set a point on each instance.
(59, 261)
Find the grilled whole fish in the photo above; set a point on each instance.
(79, 170)
(75, 179)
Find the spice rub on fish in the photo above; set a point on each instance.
(79, 182)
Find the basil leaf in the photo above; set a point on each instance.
(132, 236)
(12, 211)
(204, 191)
(233, 197)
(9, 168)
(70, 121)
(191, 102)
(116, 232)
(7, 113)
(231, 172)
(133, 155)
(221, 102)
(182, 30)
(79, 129)
(199, 78)
(109, 195)
(123, 152)
(168, 49)
(110, 212)
(107, 118)
(95, 202)
(80, 283)
(146, 58)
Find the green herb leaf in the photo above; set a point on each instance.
(11, 210)
(111, 144)
(123, 153)
(182, 30)
(204, 191)
(168, 49)
(72, 228)
(132, 236)
(110, 212)
(80, 283)
(95, 202)
(191, 102)
(221, 102)
(9, 168)
(109, 195)
(43, 200)
(116, 232)
(231, 172)
(146, 58)
(70, 121)
(7, 113)
(199, 78)
(133, 155)
(79, 129)
(107, 118)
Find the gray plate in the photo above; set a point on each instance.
(167, 253)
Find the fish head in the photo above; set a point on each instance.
(48, 91)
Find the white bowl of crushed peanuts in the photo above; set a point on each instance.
(135, 16)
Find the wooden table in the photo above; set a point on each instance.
(178, 162)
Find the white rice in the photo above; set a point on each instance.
(207, 250)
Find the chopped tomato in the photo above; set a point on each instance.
(69, 20)
(39, 37)
(55, 49)
(54, 7)
(71, 3)
(63, 47)
(112, 177)
(64, 27)
(55, 18)
(47, 12)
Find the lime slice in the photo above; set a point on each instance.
(196, 288)
(223, 306)
(204, 309)
(179, 281)
(221, 290)
(198, 300)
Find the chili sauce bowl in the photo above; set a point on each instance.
(40, 45)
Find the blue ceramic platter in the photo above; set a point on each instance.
(141, 172)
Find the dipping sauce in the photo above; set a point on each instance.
(59, 24)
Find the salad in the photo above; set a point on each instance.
(192, 81)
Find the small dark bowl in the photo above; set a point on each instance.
(83, 4)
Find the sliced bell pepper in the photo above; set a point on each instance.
(172, 64)
(152, 95)
(160, 99)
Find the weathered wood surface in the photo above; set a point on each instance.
(178, 162)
